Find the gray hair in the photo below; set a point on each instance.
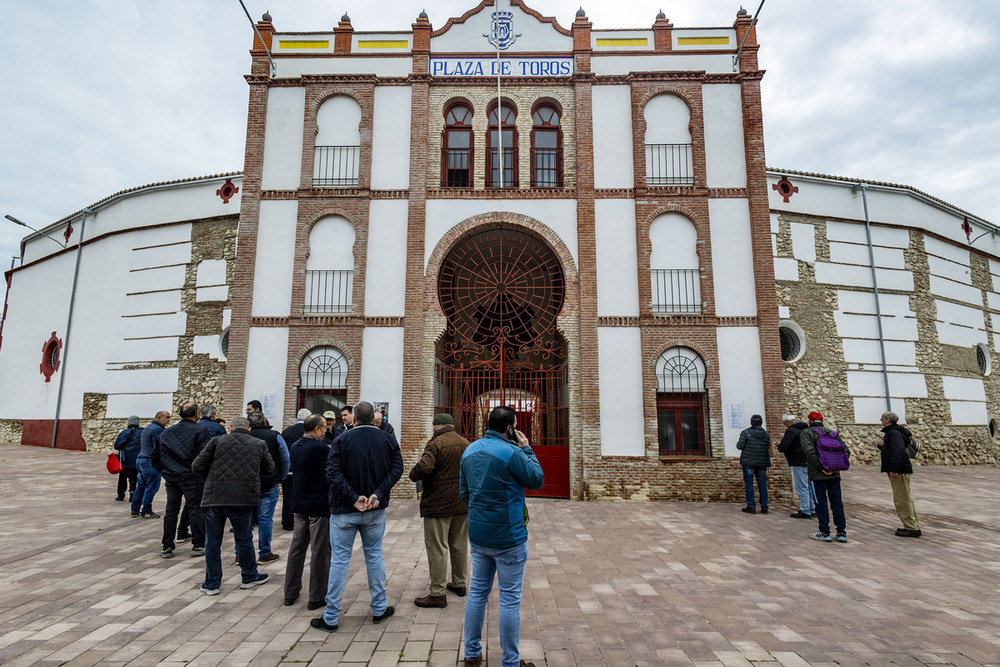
(364, 413)
(302, 414)
(207, 411)
(892, 417)
(257, 420)
(787, 418)
(240, 422)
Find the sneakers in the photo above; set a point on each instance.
(168, 552)
(821, 537)
(431, 601)
(320, 624)
(384, 616)
(261, 578)
(800, 515)
(269, 558)
(841, 538)
(135, 515)
(210, 591)
(749, 510)
(150, 515)
(907, 532)
(197, 551)
(460, 591)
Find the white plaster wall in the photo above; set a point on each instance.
(272, 281)
(960, 388)
(337, 122)
(851, 232)
(620, 363)
(853, 253)
(903, 385)
(382, 369)
(559, 215)
(857, 276)
(968, 413)
(803, 242)
(211, 280)
(668, 121)
(612, 118)
(282, 165)
(535, 36)
(898, 353)
(725, 150)
(210, 345)
(959, 325)
(617, 269)
(265, 375)
(674, 239)
(331, 245)
(391, 137)
(865, 326)
(296, 67)
(870, 410)
(732, 258)
(786, 268)
(952, 290)
(960, 273)
(713, 64)
(891, 305)
(740, 379)
(385, 289)
(122, 406)
(949, 251)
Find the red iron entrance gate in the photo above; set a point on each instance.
(501, 290)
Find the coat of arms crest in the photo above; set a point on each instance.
(502, 34)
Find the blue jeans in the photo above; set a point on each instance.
(829, 488)
(343, 529)
(146, 488)
(265, 520)
(215, 525)
(800, 475)
(748, 477)
(508, 566)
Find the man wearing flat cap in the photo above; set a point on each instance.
(446, 534)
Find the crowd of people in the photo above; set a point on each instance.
(335, 478)
(817, 456)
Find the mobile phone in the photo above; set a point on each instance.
(512, 434)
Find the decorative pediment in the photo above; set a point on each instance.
(511, 24)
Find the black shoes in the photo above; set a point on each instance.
(432, 601)
(460, 591)
(800, 515)
(749, 510)
(907, 532)
(384, 616)
(763, 510)
(320, 624)
(290, 601)
(313, 606)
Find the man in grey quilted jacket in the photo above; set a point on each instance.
(231, 465)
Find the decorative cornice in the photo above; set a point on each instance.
(728, 193)
(614, 193)
(386, 321)
(370, 79)
(501, 193)
(389, 194)
(718, 77)
(618, 321)
(275, 195)
(668, 76)
(269, 321)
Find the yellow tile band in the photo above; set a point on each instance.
(702, 41)
(638, 41)
(305, 44)
(383, 44)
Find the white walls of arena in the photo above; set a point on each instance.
(620, 365)
(391, 137)
(741, 381)
(266, 371)
(281, 169)
(382, 369)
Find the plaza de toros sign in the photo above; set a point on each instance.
(508, 67)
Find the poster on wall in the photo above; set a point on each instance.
(736, 417)
(383, 407)
(268, 405)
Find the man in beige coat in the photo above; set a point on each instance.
(446, 534)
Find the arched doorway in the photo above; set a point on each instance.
(501, 289)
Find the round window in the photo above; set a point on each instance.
(983, 359)
(993, 428)
(793, 341)
(224, 343)
(50, 356)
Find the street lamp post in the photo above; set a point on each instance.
(69, 316)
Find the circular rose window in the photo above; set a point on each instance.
(50, 356)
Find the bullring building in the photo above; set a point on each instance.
(500, 209)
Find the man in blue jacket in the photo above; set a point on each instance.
(149, 478)
(495, 471)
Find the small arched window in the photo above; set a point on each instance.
(457, 147)
(673, 265)
(323, 380)
(669, 158)
(681, 403)
(330, 267)
(546, 148)
(502, 141)
(338, 143)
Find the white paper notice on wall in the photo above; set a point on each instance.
(268, 404)
(736, 417)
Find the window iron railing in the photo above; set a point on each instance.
(676, 290)
(669, 164)
(336, 166)
(329, 291)
(457, 167)
(493, 172)
(545, 172)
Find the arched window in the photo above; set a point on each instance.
(338, 143)
(681, 403)
(323, 380)
(669, 158)
(456, 149)
(330, 267)
(673, 265)
(501, 173)
(546, 148)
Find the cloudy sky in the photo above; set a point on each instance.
(103, 95)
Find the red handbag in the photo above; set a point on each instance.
(114, 464)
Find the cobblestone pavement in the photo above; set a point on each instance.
(608, 583)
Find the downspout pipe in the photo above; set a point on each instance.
(878, 305)
(69, 324)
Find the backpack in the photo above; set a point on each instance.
(912, 448)
(832, 453)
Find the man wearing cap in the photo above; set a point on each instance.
(331, 426)
(825, 483)
(127, 445)
(446, 535)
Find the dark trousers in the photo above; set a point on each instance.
(127, 478)
(287, 515)
(190, 491)
(184, 525)
(829, 489)
(215, 523)
(312, 533)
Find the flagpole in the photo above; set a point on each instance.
(496, 37)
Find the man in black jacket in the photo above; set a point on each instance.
(291, 435)
(362, 468)
(792, 449)
(896, 463)
(312, 515)
(232, 466)
(172, 456)
(259, 428)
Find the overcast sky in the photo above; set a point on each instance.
(104, 95)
